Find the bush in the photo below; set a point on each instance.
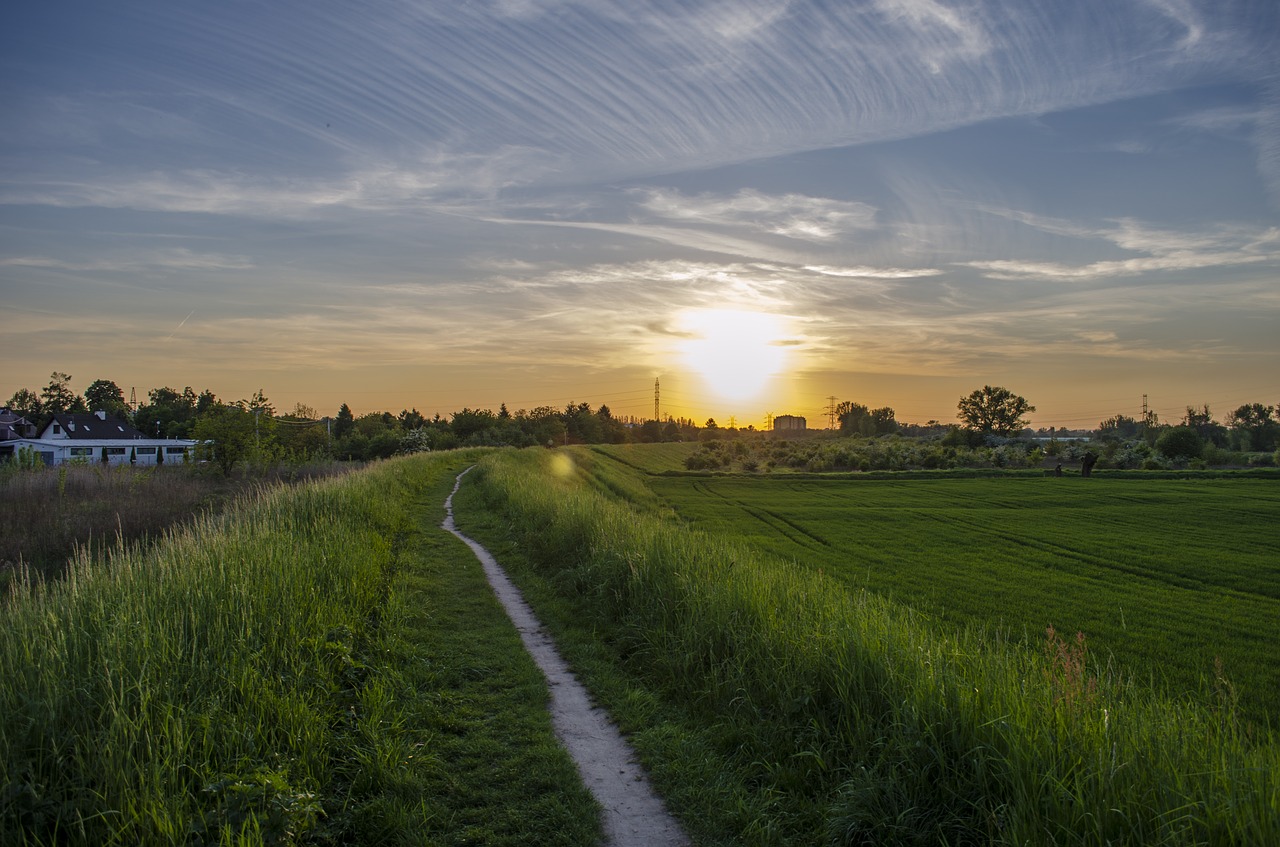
(1180, 443)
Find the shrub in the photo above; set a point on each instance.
(1180, 443)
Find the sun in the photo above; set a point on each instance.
(736, 352)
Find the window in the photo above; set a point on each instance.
(146, 451)
(175, 450)
(81, 451)
(114, 451)
(57, 430)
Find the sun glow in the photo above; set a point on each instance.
(735, 352)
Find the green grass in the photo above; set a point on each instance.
(1172, 577)
(318, 664)
(778, 704)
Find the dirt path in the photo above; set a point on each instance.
(633, 814)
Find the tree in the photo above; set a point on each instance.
(1254, 427)
(1180, 443)
(857, 419)
(344, 422)
(1119, 427)
(225, 436)
(994, 410)
(58, 397)
(103, 395)
(27, 403)
(1201, 420)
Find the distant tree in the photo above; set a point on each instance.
(1254, 427)
(260, 402)
(1201, 420)
(206, 401)
(1180, 443)
(344, 422)
(103, 395)
(994, 410)
(169, 412)
(468, 422)
(303, 412)
(711, 424)
(651, 432)
(1120, 427)
(58, 398)
(411, 419)
(225, 436)
(857, 419)
(28, 404)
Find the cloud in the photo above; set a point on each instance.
(874, 273)
(174, 259)
(1166, 250)
(794, 216)
(434, 178)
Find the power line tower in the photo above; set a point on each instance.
(733, 422)
(133, 399)
(831, 412)
(656, 407)
(768, 421)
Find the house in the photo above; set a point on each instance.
(14, 425)
(788, 423)
(98, 438)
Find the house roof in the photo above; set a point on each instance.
(78, 427)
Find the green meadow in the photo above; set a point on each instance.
(1176, 579)
(797, 660)
(790, 679)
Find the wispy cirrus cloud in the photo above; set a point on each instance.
(794, 216)
(1162, 249)
(174, 259)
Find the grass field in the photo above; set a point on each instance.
(1169, 576)
(780, 703)
(319, 664)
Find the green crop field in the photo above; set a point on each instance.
(760, 641)
(1169, 576)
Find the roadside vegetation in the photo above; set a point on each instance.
(779, 704)
(316, 664)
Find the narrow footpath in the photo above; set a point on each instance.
(633, 814)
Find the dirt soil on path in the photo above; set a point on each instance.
(634, 816)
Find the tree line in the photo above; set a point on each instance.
(252, 430)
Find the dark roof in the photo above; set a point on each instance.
(13, 425)
(91, 426)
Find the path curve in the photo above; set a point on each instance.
(633, 813)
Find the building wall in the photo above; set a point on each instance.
(57, 451)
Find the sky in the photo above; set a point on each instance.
(762, 205)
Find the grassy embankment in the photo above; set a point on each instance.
(776, 705)
(317, 664)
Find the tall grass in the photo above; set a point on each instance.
(200, 690)
(893, 731)
(49, 511)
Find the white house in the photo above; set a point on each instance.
(98, 438)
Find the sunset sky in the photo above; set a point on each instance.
(400, 204)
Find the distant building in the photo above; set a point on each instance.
(14, 425)
(788, 423)
(97, 438)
